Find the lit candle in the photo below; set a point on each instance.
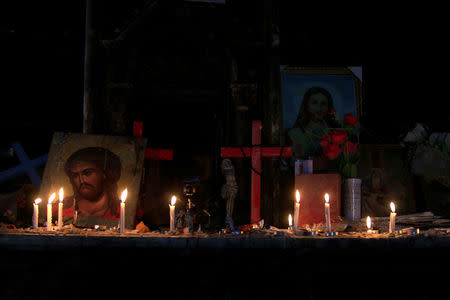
(369, 225)
(290, 222)
(392, 219)
(36, 213)
(172, 213)
(60, 208)
(297, 208)
(49, 211)
(327, 212)
(122, 210)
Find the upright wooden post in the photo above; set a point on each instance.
(272, 112)
(256, 152)
(256, 165)
(88, 108)
(240, 136)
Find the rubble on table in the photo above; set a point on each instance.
(425, 223)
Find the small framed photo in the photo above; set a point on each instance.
(313, 98)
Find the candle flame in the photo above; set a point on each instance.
(124, 195)
(393, 207)
(327, 198)
(173, 200)
(61, 195)
(290, 220)
(37, 201)
(297, 196)
(369, 223)
(52, 197)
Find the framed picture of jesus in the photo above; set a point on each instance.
(310, 96)
(93, 171)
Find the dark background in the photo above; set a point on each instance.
(179, 64)
(401, 50)
(177, 59)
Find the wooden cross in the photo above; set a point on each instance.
(256, 152)
(153, 154)
(150, 154)
(26, 166)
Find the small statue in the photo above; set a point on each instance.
(188, 217)
(230, 188)
(189, 192)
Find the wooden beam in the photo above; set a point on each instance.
(265, 151)
(271, 203)
(89, 42)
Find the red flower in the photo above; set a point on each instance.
(338, 136)
(349, 119)
(332, 151)
(324, 143)
(350, 147)
(337, 142)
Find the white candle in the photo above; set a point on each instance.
(297, 208)
(172, 213)
(392, 219)
(327, 212)
(290, 222)
(122, 210)
(369, 225)
(49, 211)
(60, 208)
(36, 213)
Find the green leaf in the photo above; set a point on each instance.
(354, 171)
(346, 170)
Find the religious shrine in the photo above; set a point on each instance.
(217, 150)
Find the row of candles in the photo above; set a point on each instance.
(49, 210)
(172, 212)
(328, 219)
(60, 210)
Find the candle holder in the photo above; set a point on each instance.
(332, 233)
(311, 233)
(408, 231)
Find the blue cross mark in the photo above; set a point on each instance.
(26, 166)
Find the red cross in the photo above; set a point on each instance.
(256, 151)
(154, 154)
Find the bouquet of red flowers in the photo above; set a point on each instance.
(342, 144)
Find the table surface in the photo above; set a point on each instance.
(28, 239)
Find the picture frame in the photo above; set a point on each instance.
(313, 100)
(122, 166)
(386, 177)
(342, 83)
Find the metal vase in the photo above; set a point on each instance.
(352, 199)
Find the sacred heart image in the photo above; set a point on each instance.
(93, 177)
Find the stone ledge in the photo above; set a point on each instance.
(36, 242)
